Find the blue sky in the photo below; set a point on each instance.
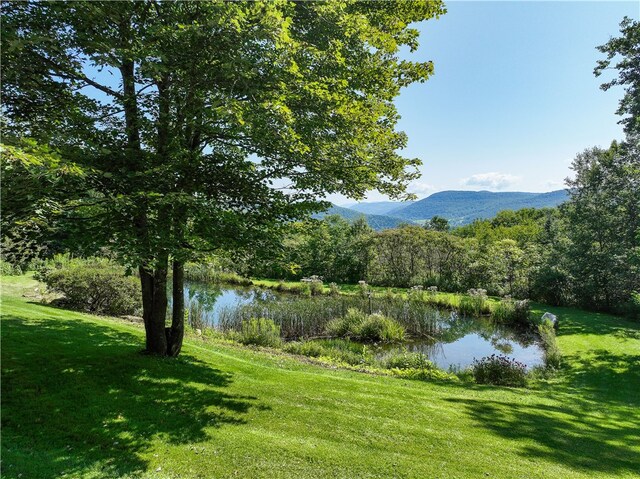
(513, 98)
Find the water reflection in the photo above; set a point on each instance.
(449, 341)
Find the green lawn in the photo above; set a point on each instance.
(79, 398)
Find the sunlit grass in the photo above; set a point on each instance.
(79, 398)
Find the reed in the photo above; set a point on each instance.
(309, 316)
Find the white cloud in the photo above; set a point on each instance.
(492, 180)
(421, 188)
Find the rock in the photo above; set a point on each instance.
(551, 317)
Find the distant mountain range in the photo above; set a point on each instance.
(459, 207)
(377, 207)
(462, 207)
(377, 222)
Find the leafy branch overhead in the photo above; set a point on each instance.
(208, 124)
(623, 54)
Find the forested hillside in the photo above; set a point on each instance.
(377, 222)
(462, 207)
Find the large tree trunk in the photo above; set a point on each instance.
(154, 305)
(175, 334)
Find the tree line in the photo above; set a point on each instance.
(585, 252)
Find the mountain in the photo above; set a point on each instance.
(462, 207)
(377, 207)
(377, 222)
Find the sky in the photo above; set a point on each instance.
(513, 98)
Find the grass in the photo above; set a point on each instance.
(79, 398)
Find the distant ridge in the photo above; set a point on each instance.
(377, 207)
(462, 207)
(377, 222)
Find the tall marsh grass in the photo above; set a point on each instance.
(209, 273)
(509, 310)
(309, 316)
(552, 356)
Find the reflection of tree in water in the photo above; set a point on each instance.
(504, 347)
(199, 302)
(499, 335)
(206, 295)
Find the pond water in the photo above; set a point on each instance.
(451, 342)
(476, 339)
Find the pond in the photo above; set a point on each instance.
(451, 342)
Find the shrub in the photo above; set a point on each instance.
(7, 269)
(499, 370)
(552, 356)
(474, 303)
(94, 285)
(373, 327)
(261, 332)
(347, 326)
(377, 327)
(334, 289)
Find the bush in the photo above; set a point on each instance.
(500, 371)
(348, 325)
(261, 332)
(334, 289)
(377, 327)
(7, 269)
(552, 356)
(373, 327)
(94, 285)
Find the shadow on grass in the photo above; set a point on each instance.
(567, 435)
(78, 396)
(605, 377)
(575, 321)
(594, 425)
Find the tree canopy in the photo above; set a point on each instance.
(625, 52)
(196, 125)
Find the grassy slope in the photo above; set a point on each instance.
(79, 398)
